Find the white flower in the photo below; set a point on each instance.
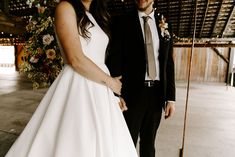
(164, 28)
(47, 39)
(33, 59)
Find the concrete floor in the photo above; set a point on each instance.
(210, 126)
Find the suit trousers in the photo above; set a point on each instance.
(143, 118)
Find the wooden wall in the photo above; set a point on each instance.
(207, 66)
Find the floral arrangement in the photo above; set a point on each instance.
(164, 28)
(43, 59)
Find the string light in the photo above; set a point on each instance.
(11, 41)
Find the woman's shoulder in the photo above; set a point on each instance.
(64, 7)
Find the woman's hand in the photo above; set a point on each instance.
(115, 84)
(122, 104)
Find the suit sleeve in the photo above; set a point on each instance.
(170, 93)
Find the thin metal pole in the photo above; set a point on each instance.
(8, 132)
(188, 84)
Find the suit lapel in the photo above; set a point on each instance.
(157, 18)
(138, 33)
(139, 29)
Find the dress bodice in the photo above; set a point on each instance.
(95, 46)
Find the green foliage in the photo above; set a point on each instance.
(44, 61)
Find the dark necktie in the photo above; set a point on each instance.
(151, 65)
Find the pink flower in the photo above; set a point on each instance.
(39, 50)
(41, 10)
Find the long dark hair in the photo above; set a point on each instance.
(98, 11)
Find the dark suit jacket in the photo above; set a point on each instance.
(126, 57)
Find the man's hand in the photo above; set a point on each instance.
(122, 104)
(169, 109)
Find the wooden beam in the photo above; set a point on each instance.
(25, 12)
(168, 8)
(12, 30)
(228, 21)
(193, 7)
(204, 45)
(216, 19)
(220, 55)
(5, 6)
(203, 40)
(179, 15)
(204, 18)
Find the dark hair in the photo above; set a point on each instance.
(98, 11)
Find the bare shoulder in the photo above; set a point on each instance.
(65, 19)
(64, 8)
(64, 5)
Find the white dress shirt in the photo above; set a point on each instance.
(155, 38)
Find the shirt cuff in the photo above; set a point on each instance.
(171, 101)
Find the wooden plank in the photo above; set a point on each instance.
(207, 66)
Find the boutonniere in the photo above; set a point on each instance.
(164, 28)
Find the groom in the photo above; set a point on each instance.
(141, 52)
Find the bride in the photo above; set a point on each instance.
(79, 116)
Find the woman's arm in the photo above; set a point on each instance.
(67, 31)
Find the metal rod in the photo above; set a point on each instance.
(8, 132)
(188, 85)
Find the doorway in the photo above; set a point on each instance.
(7, 60)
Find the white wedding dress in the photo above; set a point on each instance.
(77, 117)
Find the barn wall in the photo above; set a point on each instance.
(207, 66)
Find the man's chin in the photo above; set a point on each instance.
(142, 8)
(139, 6)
